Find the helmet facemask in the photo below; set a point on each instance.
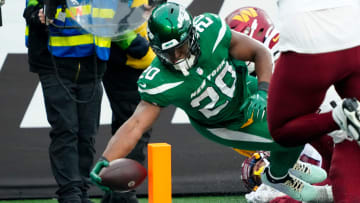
(183, 56)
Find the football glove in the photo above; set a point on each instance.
(255, 106)
(94, 174)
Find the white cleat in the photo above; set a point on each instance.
(325, 195)
(290, 185)
(347, 116)
(308, 172)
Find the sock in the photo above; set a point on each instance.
(282, 161)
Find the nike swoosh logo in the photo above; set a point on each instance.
(160, 89)
(142, 85)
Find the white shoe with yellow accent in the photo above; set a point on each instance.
(290, 185)
(308, 172)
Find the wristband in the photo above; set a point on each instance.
(264, 86)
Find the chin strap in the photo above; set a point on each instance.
(185, 64)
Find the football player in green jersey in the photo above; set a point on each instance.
(199, 68)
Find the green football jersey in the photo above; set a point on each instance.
(214, 89)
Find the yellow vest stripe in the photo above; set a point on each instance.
(103, 41)
(71, 40)
(27, 30)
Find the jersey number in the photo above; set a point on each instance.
(202, 22)
(210, 92)
(150, 73)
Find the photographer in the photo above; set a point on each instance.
(70, 74)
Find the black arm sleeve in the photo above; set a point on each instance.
(138, 47)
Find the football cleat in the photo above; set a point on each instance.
(347, 116)
(325, 194)
(308, 172)
(290, 185)
(338, 136)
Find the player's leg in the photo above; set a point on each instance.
(284, 158)
(324, 145)
(257, 137)
(346, 159)
(285, 172)
(287, 156)
(297, 88)
(260, 128)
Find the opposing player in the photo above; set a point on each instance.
(194, 70)
(320, 46)
(255, 23)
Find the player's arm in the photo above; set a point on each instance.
(244, 48)
(31, 14)
(127, 136)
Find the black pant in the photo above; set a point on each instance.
(123, 101)
(74, 124)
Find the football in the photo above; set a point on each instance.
(123, 174)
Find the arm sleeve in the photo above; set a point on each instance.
(31, 15)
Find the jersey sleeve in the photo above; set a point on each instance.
(151, 85)
(214, 35)
(213, 27)
(223, 29)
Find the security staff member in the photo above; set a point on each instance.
(73, 94)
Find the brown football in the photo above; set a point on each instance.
(123, 174)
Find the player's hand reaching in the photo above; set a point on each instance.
(94, 174)
(255, 106)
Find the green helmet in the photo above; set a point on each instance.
(170, 27)
(156, 2)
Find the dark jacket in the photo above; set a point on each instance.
(38, 55)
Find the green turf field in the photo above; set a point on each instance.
(206, 199)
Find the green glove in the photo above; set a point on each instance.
(94, 174)
(255, 106)
(125, 40)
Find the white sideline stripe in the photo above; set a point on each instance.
(35, 114)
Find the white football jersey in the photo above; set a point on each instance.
(319, 26)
